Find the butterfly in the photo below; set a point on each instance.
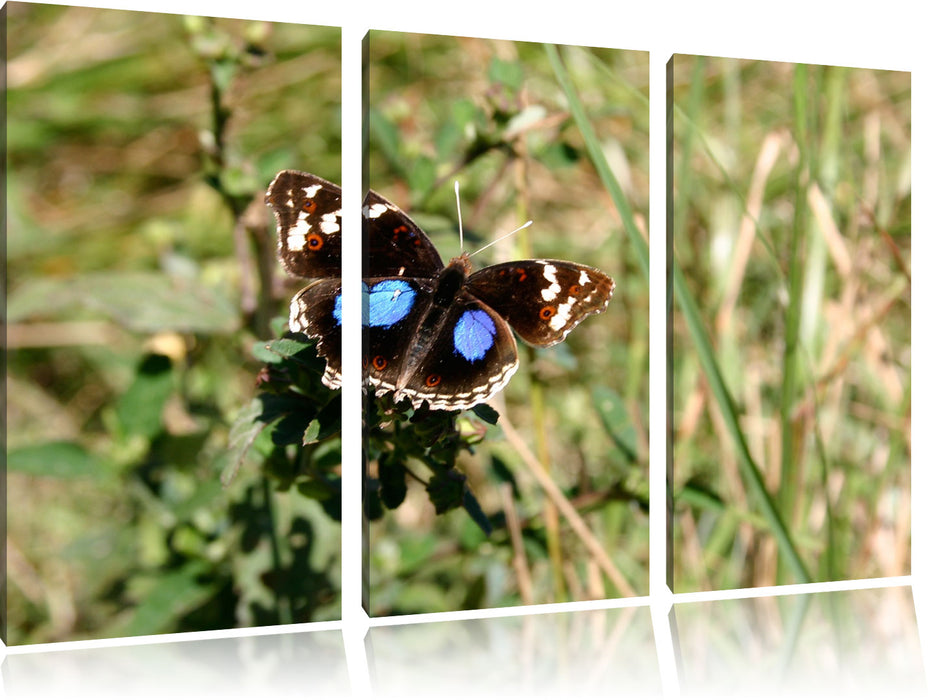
(434, 334)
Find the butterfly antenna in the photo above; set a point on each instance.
(461, 233)
(506, 235)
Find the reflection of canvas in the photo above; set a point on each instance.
(551, 655)
(791, 353)
(854, 642)
(457, 522)
(138, 280)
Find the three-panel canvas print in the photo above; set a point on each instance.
(175, 329)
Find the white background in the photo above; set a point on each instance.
(896, 35)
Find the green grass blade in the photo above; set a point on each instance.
(749, 469)
(598, 159)
(789, 466)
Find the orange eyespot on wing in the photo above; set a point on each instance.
(314, 241)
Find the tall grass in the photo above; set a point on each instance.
(791, 330)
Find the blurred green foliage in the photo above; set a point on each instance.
(152, 487)
(138, 283)
(792, 236)
(493, 116)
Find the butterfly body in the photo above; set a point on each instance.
(433, 333)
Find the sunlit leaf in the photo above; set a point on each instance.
(57, 459)
(139, 409)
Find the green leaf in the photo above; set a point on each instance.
(446, 490)
(559, 154)
(422, 174)
(447, 140)
(57, 459)
(37, 297)
(392, 475)
(311, 434)
(486, 413)
(416, 551)
(291, 429)
(240, 181)
(315, 489)
(329, 418)
(277, 405)
(502, 473)
(384, 135)
(146, 302)
(171, 596)
(510, 73)
(463, 112)
(247, 425)
(474, 510)
(223, 74)
(150, 302)
(139, 410)
(616, 421)
(275, 351)
(420, 597)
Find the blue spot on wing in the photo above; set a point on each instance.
(474, 334)
(389, 302)
(336, 312)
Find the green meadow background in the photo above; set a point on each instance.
(140, 273)
(559, 135)
(791, 323)
(141, 280)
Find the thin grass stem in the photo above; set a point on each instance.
(790, 467)
(596, 154)
(749, 469)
